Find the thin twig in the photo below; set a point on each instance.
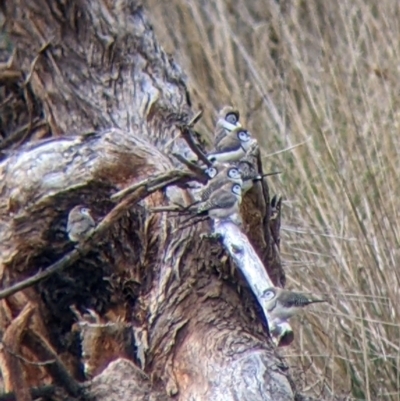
(139, 192)
(188, 137)
(44, 47)
(186, 132)
(7, 99)
(191, 166)
(168, 178)
(162, 209)
(196, 118)
(9, 75)
(19, 133)
(182, 226)
(287, 149)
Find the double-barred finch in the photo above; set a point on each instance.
(249, 174)
(222, 203)
(215, 169)
(232, 147)
(227, 121)
(80, 223)
(219, 178)
(283, 304)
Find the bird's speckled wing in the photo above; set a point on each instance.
(219, 134)
(219, 200)
(295, 299)
(247, 172)
(217, 183)
(230, 143)
(211, 187)
(80, 223)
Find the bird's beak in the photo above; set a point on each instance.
(272, 173)
(260, 177)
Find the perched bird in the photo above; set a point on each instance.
(222, 203)
(283, 304)
(227, 121)
(215, 169)
(80, 223)
(232, 147)
(219, 176)
(249, 174)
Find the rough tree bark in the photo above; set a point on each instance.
(113, 102)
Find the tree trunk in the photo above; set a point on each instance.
(167, 302)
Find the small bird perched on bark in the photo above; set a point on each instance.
(80, 223)
(232, 147)
(249, 174)
(283, 304)
(227, 121)
(222, 203)
(215, 169)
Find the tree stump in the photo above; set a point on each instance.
(148, 310)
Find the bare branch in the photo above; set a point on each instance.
(140, 191)
(187, 134)
(195, 119)
(191, 166)
(168, 178)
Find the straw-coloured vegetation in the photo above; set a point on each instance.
(317, 83)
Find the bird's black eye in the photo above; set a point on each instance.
(268, 294)
(232, 118)
(233, 173)
(84, 210)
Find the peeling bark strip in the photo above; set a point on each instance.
(100, 70)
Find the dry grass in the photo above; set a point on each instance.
(323, 74)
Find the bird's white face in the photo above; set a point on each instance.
(269, 294)
(211, 172)
(85, 211)
(237, 189)
(230, 121)
(234, 173)
(232, 118)
(244, 136)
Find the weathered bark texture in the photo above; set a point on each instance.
(114, 101)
